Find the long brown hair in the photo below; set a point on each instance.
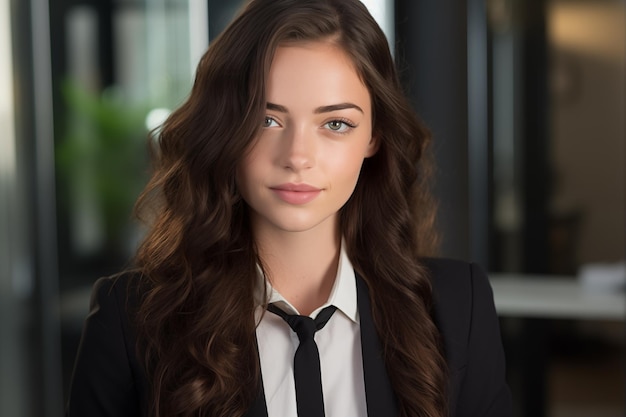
(199, 260)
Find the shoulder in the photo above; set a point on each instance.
(459, 289)
(464, 311)
(121, 291)
(452, 278)
(456, 284)
(108, 379)
(114, 301)
(113, 306)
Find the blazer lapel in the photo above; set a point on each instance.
(381, 400)
(259, 408)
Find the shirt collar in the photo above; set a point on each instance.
(342, 295)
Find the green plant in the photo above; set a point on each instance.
(101, 159)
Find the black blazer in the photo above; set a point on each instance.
(109, 381)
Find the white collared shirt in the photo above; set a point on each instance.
(339, 344)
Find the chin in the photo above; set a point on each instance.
(300, 223)
(297, 227)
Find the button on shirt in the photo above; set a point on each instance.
(339, 345)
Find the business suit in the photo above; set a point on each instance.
(109, 381)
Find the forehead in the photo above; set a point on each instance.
(317, 71)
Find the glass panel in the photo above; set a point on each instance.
(577, 105)
(101, 153)
(121, 67)
(16, 276)
(558, 185)
(586, 82)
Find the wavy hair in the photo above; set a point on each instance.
(198, 260)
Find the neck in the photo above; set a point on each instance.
(302, 266)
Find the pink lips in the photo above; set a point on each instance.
(296, 193)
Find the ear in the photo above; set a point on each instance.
(372, 146)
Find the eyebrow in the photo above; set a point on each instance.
(319, 110)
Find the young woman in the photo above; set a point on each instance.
(292, 179)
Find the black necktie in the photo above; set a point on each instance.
(306, 362)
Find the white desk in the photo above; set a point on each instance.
(516, 295)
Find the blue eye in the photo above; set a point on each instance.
(270, 122)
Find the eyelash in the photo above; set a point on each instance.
(347, 123)
(269, 119)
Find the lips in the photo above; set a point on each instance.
(296, 193)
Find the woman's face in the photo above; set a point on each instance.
(317, 130)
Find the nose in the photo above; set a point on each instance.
(298, 149)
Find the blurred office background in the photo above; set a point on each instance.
(526, 101)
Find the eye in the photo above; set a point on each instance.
(340, 126)
(270, 122)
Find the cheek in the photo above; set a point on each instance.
(349, 161)
(255, 159)
(346, 172)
